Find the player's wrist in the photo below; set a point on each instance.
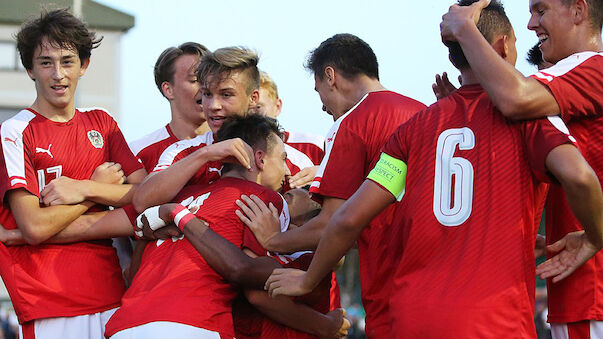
(180, 215)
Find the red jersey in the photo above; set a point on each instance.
(468, 219)
(353, 147)
(68, 279)
(148, 148)
(174, 282)
(313, 146)
(210, 172)
(251, 324)
(577, 85)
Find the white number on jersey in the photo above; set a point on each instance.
(453, 212)
(56, 170)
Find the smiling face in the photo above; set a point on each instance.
(184, 89)
(551, 20)
(274, 168)
(56, 72)
(226, 97)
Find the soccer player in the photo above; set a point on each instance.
(49, 152)
(176, 78)
(347, 80)
(569, 32)
(310, 146)
(471, 188)
(176, 292)
(229, 86)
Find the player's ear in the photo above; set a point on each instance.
(579, 11)
(166, 89)
(330, 75)
(84, 67)
(258, 156)
(254, 97)
(500, 45)
(279, 106)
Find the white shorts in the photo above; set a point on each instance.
(165, 329)
(587, 329)
(91, 326)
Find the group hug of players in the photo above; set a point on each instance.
(443, 201)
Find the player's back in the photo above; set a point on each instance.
(174, 282)
(469, 219)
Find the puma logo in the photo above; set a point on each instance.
(219, 170)
(14, 141)
(47, 151)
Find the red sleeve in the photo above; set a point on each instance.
(541, 136)
(344, 169)
(16, 166)
(119, 151)
(578, 91)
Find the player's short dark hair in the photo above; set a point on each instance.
(595, 9)
(534, 56)
(492, 22)
(62, 29)
(255, 129)
(164, 67)
(223, 61)
(346, 53)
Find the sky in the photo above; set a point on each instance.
(403, 34)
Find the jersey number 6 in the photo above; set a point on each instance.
(453, 182)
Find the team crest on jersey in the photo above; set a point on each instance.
(96, 139)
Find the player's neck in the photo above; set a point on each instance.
(468, 77)
(362, 85)
(54, 113)
(239, 172)
(182, 128)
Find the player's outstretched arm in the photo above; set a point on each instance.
(342, 231)
(265, 225)
(585, 198)
(299, 316)
(161, 187)
(516, 96)
(222, 255)
(582, 189)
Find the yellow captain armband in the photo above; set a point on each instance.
(390, 173)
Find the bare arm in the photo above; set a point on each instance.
(38, 224)
(161, 187)
(99, 225)
(582, 189)
(341, 233)
(222, 255)
(516, 96)
(583, 192)
(67, 191)
(298, 316)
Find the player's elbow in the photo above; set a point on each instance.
(580, 178)
(346, 223)
(257, 298)
(31, 236)
(514, 108)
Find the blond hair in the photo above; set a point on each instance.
(228, 59)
